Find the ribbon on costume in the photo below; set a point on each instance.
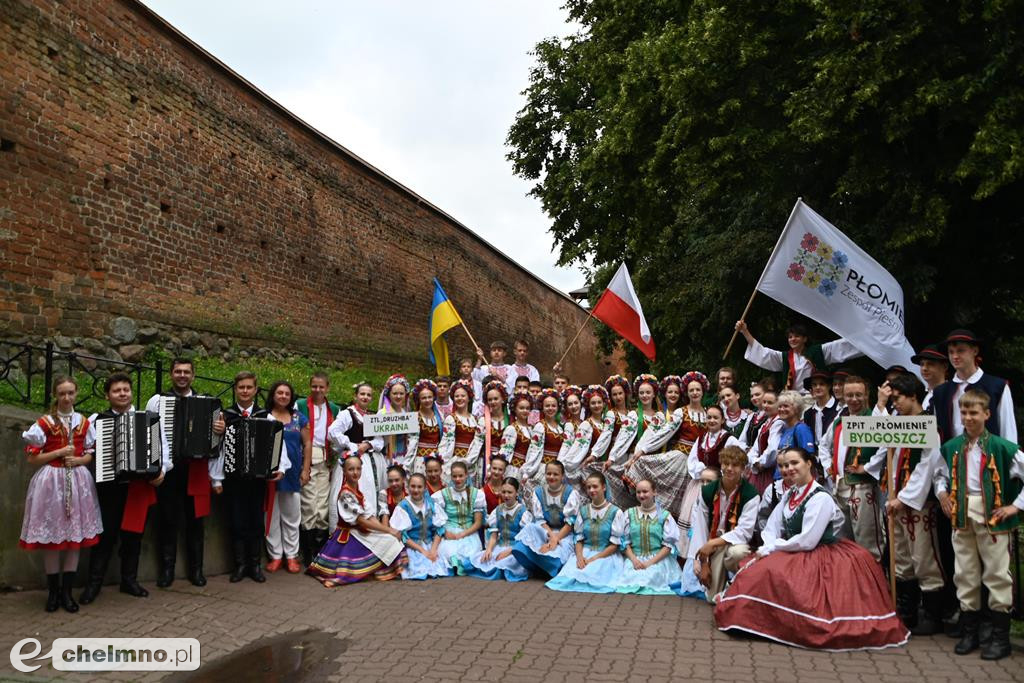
(141, 494)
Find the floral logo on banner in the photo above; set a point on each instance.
(817, 265)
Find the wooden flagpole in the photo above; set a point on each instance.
(760, 279)
(892, 554)
(578, 333)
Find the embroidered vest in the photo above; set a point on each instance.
(689, 432)
(944, 405)
(743, 494)
(795, 524)
(595, 434)
(464, 435)
(554, 514)
(355, 432)
(854, 456)
(430, 438)
(552, 444)
(597, 532)
(509, 525)
(709, 454)
(646, 534)
(815, 356)
(57, 437)
(422, 530)
(522, 446)
(460, 513)
(998, 487)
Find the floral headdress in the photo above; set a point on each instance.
(699, 377)
(500, 386)
(646, 378)
(620, 381)
(462, 384)
(420, 386)
(569, 391)
(521, 395)
(669, 380)
(591, 391)
(385, 400)
(549, 393)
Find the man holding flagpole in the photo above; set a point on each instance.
(801, 360)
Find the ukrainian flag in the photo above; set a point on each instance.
(443, 317)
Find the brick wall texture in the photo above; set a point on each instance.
(139, 177)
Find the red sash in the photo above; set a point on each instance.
(836, 439)
(141, 494)
(311, 409)
(199, 487)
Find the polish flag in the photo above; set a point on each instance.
(619, 308)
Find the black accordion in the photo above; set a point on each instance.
(252, 447)
(127, 446)
(187, 425)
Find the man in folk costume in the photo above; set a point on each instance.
(802, 359)
(184, 493)
(723, 522)
(316, 474)
(934, 364)
(964, 349)
(978, 483)
(915, 510)
(123, 506)
(823, 411)
(855, 488)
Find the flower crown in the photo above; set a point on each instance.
(617, 380)
(420, 386)
(591, 391)
(500, 386)
(572, 389)
(645, 378)
(462, 384)
(699, 377)
(669, 380)
(550, 393)
(521, 395)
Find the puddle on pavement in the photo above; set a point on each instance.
(298, 656)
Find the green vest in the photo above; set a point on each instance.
(858, 454)
(813, 353)
(460, 514)
(795, 524)
(646, 533)
(710, 490)
(997, 456)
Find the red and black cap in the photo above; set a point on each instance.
(841, 373)
(961, 335)
(817, 374)
(929, 352)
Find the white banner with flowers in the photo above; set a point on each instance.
(818, 271)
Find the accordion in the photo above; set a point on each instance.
(252, 447)
(187, 425)
(127, 446)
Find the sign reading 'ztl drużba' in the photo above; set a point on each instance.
(890, 431)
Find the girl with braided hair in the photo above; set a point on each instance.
(515, 441)
(426, 442)
(492, 423)
(548, 440)
(458, 434)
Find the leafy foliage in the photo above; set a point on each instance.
(677, 135)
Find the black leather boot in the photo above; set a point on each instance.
(195, 559)
(908, 595)
(255, 557)
(53, 596)
(129, 576)
(999, 645)
(929, 619)
(238, 550)
(66, 585)
(320, 537)
(305, 551)
(969, 633)
(167, 553)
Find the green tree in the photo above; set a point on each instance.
(677, 136)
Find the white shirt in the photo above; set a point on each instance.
(319, 419)
(819, 426)
(516, 371)
(1007, 420)
(834, 352)
(820, 511)
(743, 531)
(940, 473)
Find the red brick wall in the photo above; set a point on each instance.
(138, 177)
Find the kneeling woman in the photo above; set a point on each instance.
(414, 517)
(649, 543)
(598, 530)
(546, 543)
(503, 524)
(806, 587)
(361, 547)
(459, 511)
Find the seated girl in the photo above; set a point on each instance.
(503, 524)
(649, 543)
(361, 547)
(806, 587)
(414, 517)
(598, 530)
(459, 510)
(546, 543)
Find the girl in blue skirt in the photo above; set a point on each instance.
(546, 543)
(459, 511)
(503, 524)
(649, 543)
(414, 517)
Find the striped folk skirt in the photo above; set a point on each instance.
(344, 559)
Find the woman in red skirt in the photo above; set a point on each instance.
(805, 586)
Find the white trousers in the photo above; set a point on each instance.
(283, 539)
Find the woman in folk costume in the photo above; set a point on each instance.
(433, 470)
(649, 544)
(546, 543)
(646, 416)
(806, 587)
(515, 441)
(394, 494)
(801, 359)
(757, 416)
(548, 440)
(395, 398)
(62, 512)
(669, 470)
(414, 517)
(459, 510)
(492, 424)
(361, 547)
(346, 435)
(458, 434)
(426, 442)
(598, 531)
(764, 444)
(655, 438)
(495, 479)
(504, 523)
(587, 451)
(736, 417)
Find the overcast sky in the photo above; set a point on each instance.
(424, 91)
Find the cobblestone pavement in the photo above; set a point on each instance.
(472, 630)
